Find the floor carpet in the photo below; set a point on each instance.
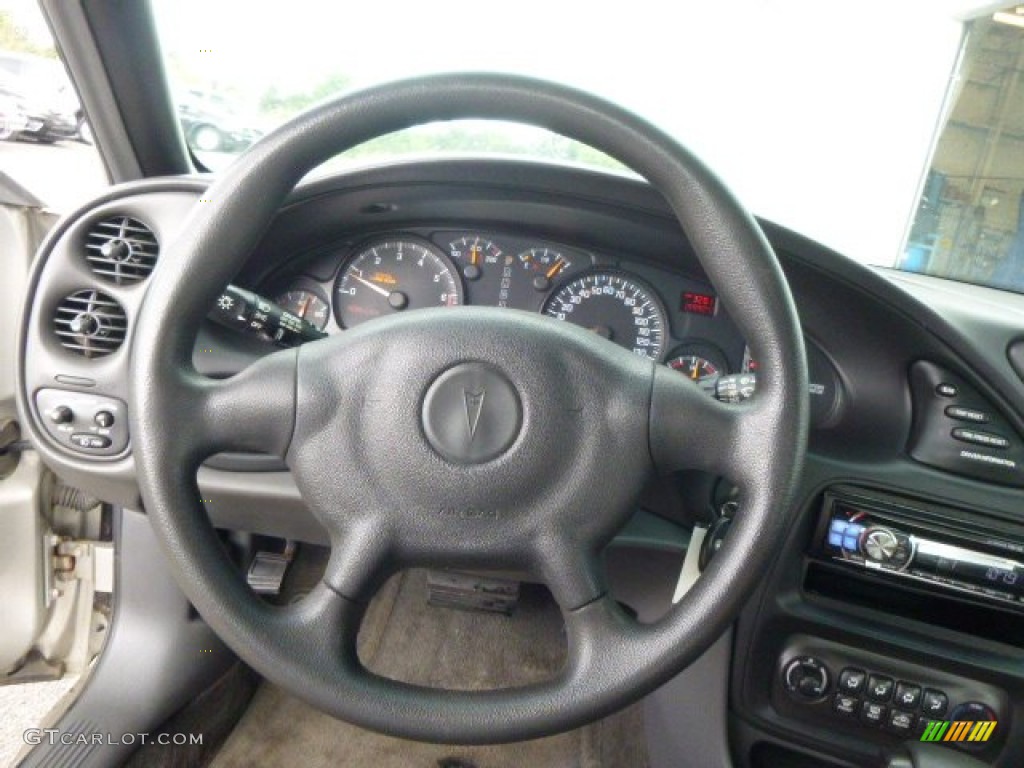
(404, 638)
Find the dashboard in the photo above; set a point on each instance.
(915, 461)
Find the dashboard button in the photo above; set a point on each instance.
(945, 389)
(900, 722)
(879, 688)
(980, 438)
(104, 419)
(845, 705)
(934, 703)
(872, 713)
(62, 415)
(907, 696)
(89, 441)
(852, 680)
(966, 414)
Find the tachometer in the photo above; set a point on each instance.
(394, 276)
(616, 306)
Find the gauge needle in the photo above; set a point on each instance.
(474, 255)
(696, 373)
(555, 269)
(368, 284)
(304, 307)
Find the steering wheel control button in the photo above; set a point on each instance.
(879, 688)
(62, 415)
(967, 414)
(907, 696)
(934, 703)
(83, 422)
(945, 389)
(89, 442)
(852, 680)
(900, 722)
(872, 713)
(844, 705)
(806, 677)
(471, 413)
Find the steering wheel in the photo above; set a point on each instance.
(471, 438)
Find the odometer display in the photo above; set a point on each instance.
(616, 306)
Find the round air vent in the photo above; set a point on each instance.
(90, 323)
(121, 249)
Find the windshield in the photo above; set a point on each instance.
(823, 118)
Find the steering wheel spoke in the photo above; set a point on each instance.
(690, 430)
(253, 411)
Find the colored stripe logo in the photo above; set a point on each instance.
(959, 730)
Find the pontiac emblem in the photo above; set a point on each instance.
(474, 404)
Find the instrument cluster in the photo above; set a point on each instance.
(652, 312)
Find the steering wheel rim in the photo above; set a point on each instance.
(280, 405)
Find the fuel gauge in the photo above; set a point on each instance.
(307, 304)
(543, 265)
(701, 362)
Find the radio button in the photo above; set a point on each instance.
(852, 680)
(879, 688)
(934, 703)
(880, 545)
(967, 414)
(907, 696)
(975, 437)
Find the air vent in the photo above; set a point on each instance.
(121, 249)
(90, 323)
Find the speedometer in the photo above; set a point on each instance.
(618, 307)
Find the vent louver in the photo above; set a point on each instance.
(90, 323)
(121, 249)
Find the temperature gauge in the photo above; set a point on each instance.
(700, 362)
(306, 304)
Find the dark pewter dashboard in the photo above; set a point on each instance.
(915, 451)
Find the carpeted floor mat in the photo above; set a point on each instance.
(404, 638)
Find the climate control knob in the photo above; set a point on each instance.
(879, 544)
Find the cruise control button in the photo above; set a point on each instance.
(89, 441)
(966, 414)
(934, 703)
(852, 680)
(879, 688)
(976, 437)
(872, 713)
(907, 696)
(845, 705)
(900, 722)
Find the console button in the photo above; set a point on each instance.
(62, 415)
(104, 419)
(89, 441)
(845, 705)
(966, 414)
(852, 680)
(907, 696)
(945, 389)
(934, 703)
(807, 677)
(976, 437)
(872, 713)
(879, 688)
(900, 722)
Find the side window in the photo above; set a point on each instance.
(45, 142)
(969, 224)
